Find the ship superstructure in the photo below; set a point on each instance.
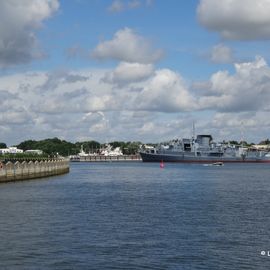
(202, 149)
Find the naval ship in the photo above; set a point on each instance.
(202, 149)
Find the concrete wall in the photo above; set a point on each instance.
(29, 170)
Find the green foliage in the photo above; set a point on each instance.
(50, 147)
(234, 142)
(133, 147)
(3, 145)
(267, 142)
(54, 146)
(23, 156)
(88, 146)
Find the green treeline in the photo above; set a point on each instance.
(56, 146)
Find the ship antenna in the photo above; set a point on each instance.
(242, 134)
(193, 138)
(193, 130)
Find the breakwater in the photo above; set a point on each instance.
(103, 158)
(24, 170)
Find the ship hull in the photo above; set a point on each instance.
(183, 158)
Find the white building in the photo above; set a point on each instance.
(10, 150)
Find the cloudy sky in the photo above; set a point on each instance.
(134, 69)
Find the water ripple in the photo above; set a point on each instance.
(137, 216)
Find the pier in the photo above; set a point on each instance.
(29, 170)
(103, 158)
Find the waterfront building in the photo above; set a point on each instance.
(10, 150)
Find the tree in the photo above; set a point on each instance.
(50, 147)
(234, 142)
(88, 146)
(3, 145)
(267, 141)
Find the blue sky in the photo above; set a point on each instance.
(134, 69)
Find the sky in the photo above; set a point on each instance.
(134, 70)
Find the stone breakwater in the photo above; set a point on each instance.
(32, 169)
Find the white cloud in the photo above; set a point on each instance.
(79, 104)
(246, 90)
(166, 91)
(116, 6)
(221, 54)
(249, 126)
(126, 73)
(18, 23)
(16, 116)
(239, 20)
(127, 46)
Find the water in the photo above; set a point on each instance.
(138, 216)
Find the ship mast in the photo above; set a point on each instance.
(242, 152)
(242, 134)
(193, 138)
(193, 130)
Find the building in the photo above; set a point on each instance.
(10, 150)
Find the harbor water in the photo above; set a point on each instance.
(134, 215)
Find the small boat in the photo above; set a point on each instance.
(214, 164)
(217, 164)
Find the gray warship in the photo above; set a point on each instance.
(202, 149)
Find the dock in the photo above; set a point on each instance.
(103, 158)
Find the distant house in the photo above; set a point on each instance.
(4, 151)
(10, 150)
(35, 152)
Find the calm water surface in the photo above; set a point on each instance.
(138, 216)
